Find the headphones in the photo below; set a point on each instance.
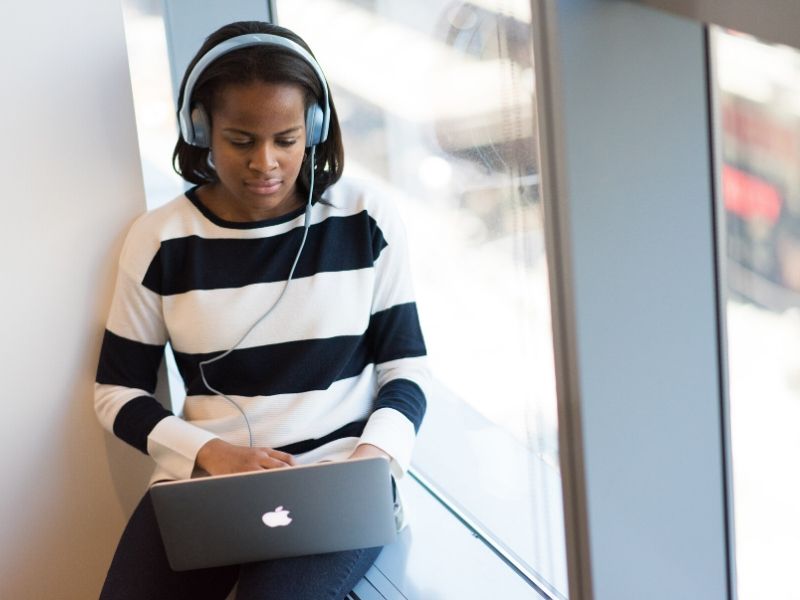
(194, 123)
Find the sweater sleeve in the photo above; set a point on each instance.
(398, 349)
(130, 355)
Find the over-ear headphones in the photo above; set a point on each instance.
(195, 124)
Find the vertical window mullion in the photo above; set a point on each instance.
(626, 141)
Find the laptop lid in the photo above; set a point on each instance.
(307, 509)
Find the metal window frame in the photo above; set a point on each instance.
(613, 141)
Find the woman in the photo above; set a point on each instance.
(287, 302)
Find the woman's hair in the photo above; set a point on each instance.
(261, 63)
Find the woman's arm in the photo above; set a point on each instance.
(132, 350)
(397, 345)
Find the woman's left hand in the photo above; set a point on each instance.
(368, 451)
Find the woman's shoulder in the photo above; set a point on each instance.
(171, 219)
(148, 231)
(352, 195)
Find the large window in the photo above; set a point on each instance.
(758, 110)
(436, 99)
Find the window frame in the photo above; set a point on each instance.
(648, 74)
(573, 40)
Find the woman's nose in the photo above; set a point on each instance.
(263, 159)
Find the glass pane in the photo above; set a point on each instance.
(152, 98)
(436, 99)
(758, 111)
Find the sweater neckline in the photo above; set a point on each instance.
(191, 194)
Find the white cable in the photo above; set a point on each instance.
(306, 225)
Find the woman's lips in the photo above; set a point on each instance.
(263, 186)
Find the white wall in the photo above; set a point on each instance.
(71, 185)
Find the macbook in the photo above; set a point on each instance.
(307, 509)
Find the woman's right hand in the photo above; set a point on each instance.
(218, 457)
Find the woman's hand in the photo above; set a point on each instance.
(218, 457)
(368, 451)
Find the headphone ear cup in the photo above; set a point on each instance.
(201, 127)
(314, 118)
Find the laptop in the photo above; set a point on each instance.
(246, 517)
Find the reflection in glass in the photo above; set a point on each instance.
(436, 99)
(758, 91)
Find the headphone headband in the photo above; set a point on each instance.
(316, 124)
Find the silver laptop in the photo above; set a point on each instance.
(308, 509)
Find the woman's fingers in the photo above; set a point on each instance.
(283, 456)
(219, 458)
(274, 459)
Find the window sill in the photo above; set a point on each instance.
(436, 556)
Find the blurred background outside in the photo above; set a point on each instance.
(758, 115)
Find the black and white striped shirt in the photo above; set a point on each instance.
(341, 360)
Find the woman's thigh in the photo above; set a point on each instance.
(139, 569)
(328, 576)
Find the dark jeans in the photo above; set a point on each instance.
(140, 571)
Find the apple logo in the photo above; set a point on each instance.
(277, 518)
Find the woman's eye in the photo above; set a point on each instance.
(286, 143)
(240, 143)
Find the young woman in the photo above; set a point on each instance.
(285, 295)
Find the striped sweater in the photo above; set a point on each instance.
(340, 360)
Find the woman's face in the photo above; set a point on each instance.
(257, 141)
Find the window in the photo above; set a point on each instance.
(153, 99)
(440, 112)
(436, 100)
(758, 91)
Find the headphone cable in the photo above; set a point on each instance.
(202, 364)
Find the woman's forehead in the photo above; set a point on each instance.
(259, 103)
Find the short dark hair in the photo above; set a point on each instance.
(269, 64)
